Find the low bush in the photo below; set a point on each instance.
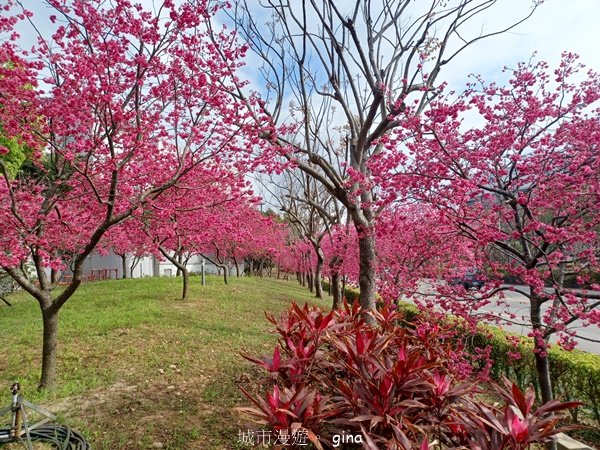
(389, 386)
(350, 293)
(575, 374)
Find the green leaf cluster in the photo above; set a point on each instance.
(17, 154)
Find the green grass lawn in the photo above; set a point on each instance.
(138, 367)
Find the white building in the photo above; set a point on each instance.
(111, 266)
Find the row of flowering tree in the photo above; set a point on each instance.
(522, 184)
(499, 177)
(136, 132)
(210, 213)
(118, 105)
(514, 192)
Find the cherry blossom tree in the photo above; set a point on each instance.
(312, 212)
(117, 105)
(415, 244)
(516, 170)
(341, 257)
(127, 239)
(184, 221)
(364, 61)
(248, 233)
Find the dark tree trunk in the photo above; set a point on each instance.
(179, 256)
(225, 273)
(318, 275)
(49, 348)
(336, 290)
(367, 270)
(136, 260)
(53, 276)
(310, 280)
(542, 363)
(186, 282)
(181, 269)
(237, 268)
(124, 265)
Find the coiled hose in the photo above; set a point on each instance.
(61, 437)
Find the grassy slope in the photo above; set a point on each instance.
(138, 367)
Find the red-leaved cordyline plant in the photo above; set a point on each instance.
(518, 424)
(392, 383)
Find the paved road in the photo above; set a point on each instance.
(518, 305)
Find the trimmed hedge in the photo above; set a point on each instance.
(575, 374)
(351, 293)
(410, 311)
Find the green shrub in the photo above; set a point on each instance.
(575, 374)
(350, 294)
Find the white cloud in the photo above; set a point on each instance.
(555, 27)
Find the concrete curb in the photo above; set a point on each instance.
(565, 442)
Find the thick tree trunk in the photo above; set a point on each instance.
(49, 349)
(542, 364)
(336, 290)
(318, 275)
(367, 270)
(124, 266)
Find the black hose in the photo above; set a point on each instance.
(61, 437)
